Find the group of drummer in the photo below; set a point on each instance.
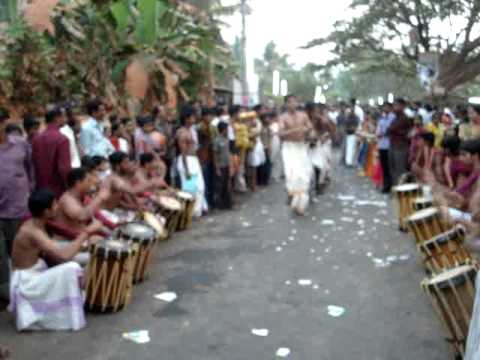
(441, 209)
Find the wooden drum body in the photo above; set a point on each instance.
(171, 209)
(425, 224)
(142, 237)
(188, 204)
(445, 251)
(109, 276)
(405, 195)
(452, 294)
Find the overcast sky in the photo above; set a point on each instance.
(290, 24)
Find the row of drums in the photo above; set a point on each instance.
(124, 259)
(450, 283)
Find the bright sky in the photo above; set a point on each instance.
(290, 24)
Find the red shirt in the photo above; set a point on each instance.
(51, 159)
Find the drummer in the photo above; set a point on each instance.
(124, 193)
(462, 202)
(73, 212)
(42, 297)
(151, 171)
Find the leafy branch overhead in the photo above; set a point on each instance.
(394, 34)
(146, 51)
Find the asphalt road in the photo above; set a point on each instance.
(240, 270)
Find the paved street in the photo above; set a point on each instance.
(236, 271)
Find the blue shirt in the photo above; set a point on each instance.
(93, 140)
(382, 127)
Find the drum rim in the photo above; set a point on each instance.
(408, 186)
(430, 212)
(185, 195)
(442, 280)
(100, 250)
(442, 238)
(138, 238)
(178, 206)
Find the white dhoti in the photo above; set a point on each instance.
(350, 149)
(472, 349)
(298, 172)
(321, 156)
(195, 184)
(47, 298)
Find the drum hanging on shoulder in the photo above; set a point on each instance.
(445, 251)
(452, 294)
(142, 237)
(405, 194)
(109, 276)
(425, 224)
(171, 209)
(188, 205)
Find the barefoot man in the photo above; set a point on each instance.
(294, 126)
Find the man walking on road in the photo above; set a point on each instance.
(294, 126)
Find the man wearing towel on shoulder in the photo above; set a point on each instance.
(294, 126)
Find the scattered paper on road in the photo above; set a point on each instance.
(283, 352)
(328, 222)
(305, 282)
(260, 332)
(346, 219)
(167, 296)
(246, 224)
(335, 311)
(139, 336)
(278, 249)
(371, 203)
(346, 197)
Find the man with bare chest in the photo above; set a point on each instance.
(43, 297)
(294, 126)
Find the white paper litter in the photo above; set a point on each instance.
(346, 219)
(312, 251)
(315, 287)
(369, 254)
(327, 292)
(283, 352)
(371, 203)
(284, 243)
(278, 249)
(288, 282)
(319, 258)
(264, 211)
(314, 237)
(335, 311)
(361, 233)
(328, 222)
(314, 218)
(294, 231)
(305, 282)
(346, 197)
(404, 257)
(167, 296)
(376, 221)
(260, 332)
(246, 224)
(139, 336)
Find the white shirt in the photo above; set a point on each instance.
(74, 153)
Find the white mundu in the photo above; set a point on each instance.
(43, 298)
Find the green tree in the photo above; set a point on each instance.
(393, 34)
(300, 82)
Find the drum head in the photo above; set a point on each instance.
(185, 195)
(138, 232)
(423, 214)
(454, 275)
(152, 220)
(170, 203)
(112, 248)
(406, 187)
(422, 200)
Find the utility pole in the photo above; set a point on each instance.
(245, 92)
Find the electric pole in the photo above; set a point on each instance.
(245, 92)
